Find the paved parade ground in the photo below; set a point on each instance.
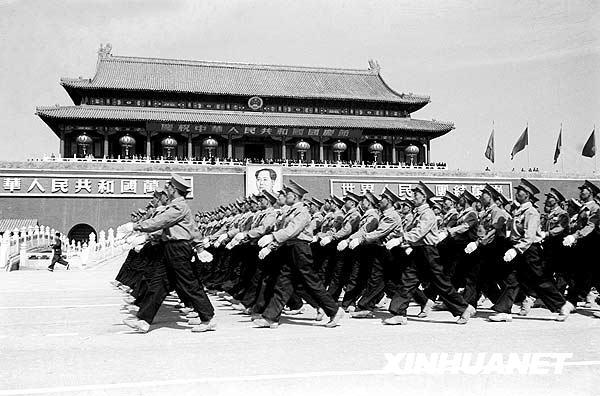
(62, 333)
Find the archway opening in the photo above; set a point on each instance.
(81, 233)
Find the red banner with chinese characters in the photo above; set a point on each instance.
(279, 131)
(404, 187)
(81, 185)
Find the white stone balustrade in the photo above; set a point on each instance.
(18, 245)
(15, 247)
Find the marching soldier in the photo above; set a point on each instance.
(372, 243)
(178, 234)
(553, 233)
(491, 245)
(294, 238)
(331, 224)
(424, 260)
(448, 248)
(527, 263)
(262, 225)
(350, 224)
(584, 239)
(360, 261)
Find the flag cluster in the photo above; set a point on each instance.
(589, 149)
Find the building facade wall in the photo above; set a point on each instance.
(214, 186)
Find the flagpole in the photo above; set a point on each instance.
(562, 159)
(528, 163)
(494, 133)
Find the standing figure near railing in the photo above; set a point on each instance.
(57, 257)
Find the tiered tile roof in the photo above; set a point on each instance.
(242, 118)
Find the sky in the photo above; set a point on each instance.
(485, 64)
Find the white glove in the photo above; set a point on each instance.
(510, 255)
(264, 252)
(442, 235)
(342, 245)
(569, 240)
(205, 256)
(265, 240)
(231, 245)
(392, 243)
(326, 241)
(206, 243)
(543, 234)
(126, 228)
(220, 240)
(354, 243)
(408, 251)
(240, 236)
(315, 239)
(471, 247)
(137, 248)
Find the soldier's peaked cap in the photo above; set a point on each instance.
(434, 202)
(449, 195)
(371, 198)
(283, 191)
(556, 194)
(423, 189)
(590, 186)
(179, 183)
(296, 188)
(317, 202)
(389, 194)
(488, 189)
(468, 196)
(408, 202)
(337, 200)
(526, 185)
(351, 196)
(272, 198)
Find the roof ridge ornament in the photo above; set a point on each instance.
(104, 50)
(374, 66)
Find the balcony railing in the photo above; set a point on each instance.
(244, 162)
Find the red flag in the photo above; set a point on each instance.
(589, 149)
(520, 144)
(489, 150)
(558, 146)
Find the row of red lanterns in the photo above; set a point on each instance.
(127, 141)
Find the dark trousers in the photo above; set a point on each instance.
(528, 269)
(176, 266)
(57, 258)
(584, 267)
(493, 271)
(452, 257)
(269, 269)
(380, 261)
(558, 261)
(125, 266)
(223, 269)
(424, 263)
(327, 263)
(361, 260)
(255, 283)
(297, 267)
(149, 254)
(248, 258)
(340, 273)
